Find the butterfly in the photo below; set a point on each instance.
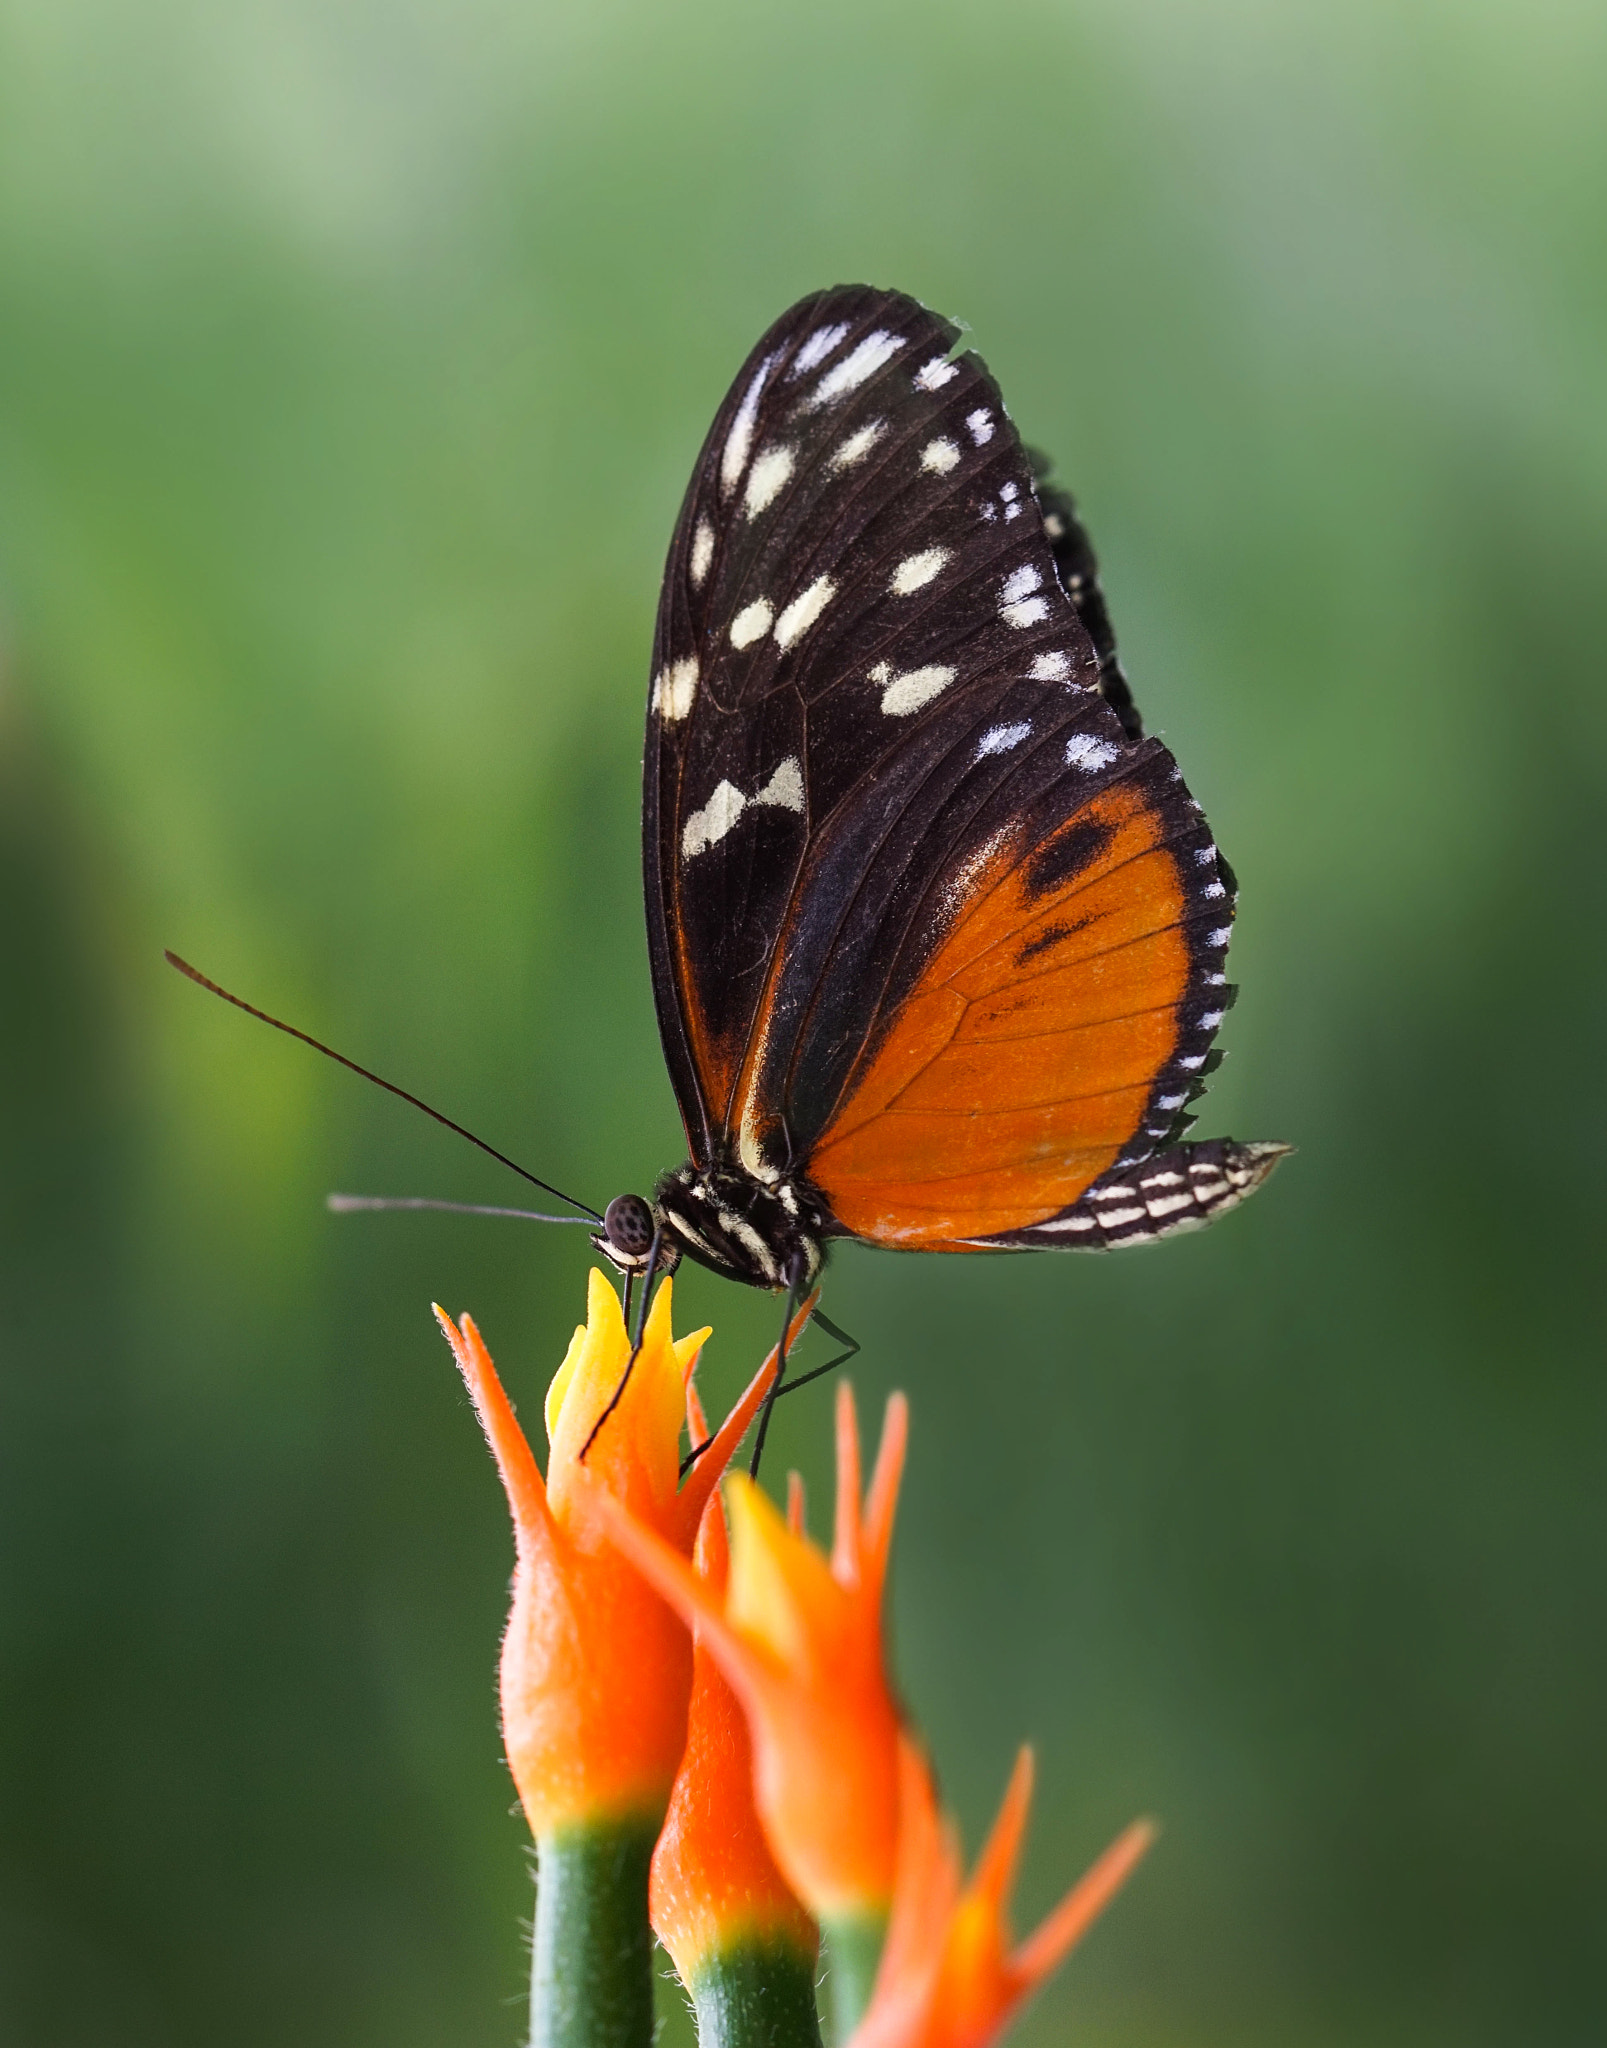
(938, 937)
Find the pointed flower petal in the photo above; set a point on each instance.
(949, 1977)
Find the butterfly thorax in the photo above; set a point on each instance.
(768, 1233)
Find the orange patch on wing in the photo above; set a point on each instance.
(1022, 1061)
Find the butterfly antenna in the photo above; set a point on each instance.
(347, 1205)
(201, 981)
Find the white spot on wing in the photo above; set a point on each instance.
(805, 608)
(816, 349)
(909, 692)
(1084, 750)
(939, 456)
(1020, 583)
(751, 623)
(675, 687)
(979, 425)
(999, 739)
(702, 552)
(1050, 668)
(769, 472)
(863, 360)
(916, 570)
(1028, 613)
(707, 827)
(785, 788)
(739, 441)
(1211, 1019)
(858, 445)
(934, 375)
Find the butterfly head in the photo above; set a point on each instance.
(630, 1226)
(766, 1233)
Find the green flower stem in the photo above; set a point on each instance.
(853, 1949)
(757, 1993)
(591, 1964)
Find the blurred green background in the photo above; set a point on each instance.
(354, 354)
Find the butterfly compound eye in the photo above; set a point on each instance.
(628, 1226)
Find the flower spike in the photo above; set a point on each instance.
(949, 1977)
(798, 1638)
(596, 1670)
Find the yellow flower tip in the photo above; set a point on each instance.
(779, 1582)
(688, 1350)
(636, 1452)
(604, 1326)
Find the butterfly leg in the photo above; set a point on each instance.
(795, 1287)
(831, 1365)
(649, 1273)
(792, 1386)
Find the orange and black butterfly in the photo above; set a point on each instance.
(938, 938)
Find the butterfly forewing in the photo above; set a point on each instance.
(928, 928)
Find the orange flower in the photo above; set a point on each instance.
(949, 1977)
(596, 1670)
(715, 1888)
(799, 1639)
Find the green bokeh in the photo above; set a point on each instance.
(353, 354)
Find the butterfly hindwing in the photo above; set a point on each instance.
(930, 925)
